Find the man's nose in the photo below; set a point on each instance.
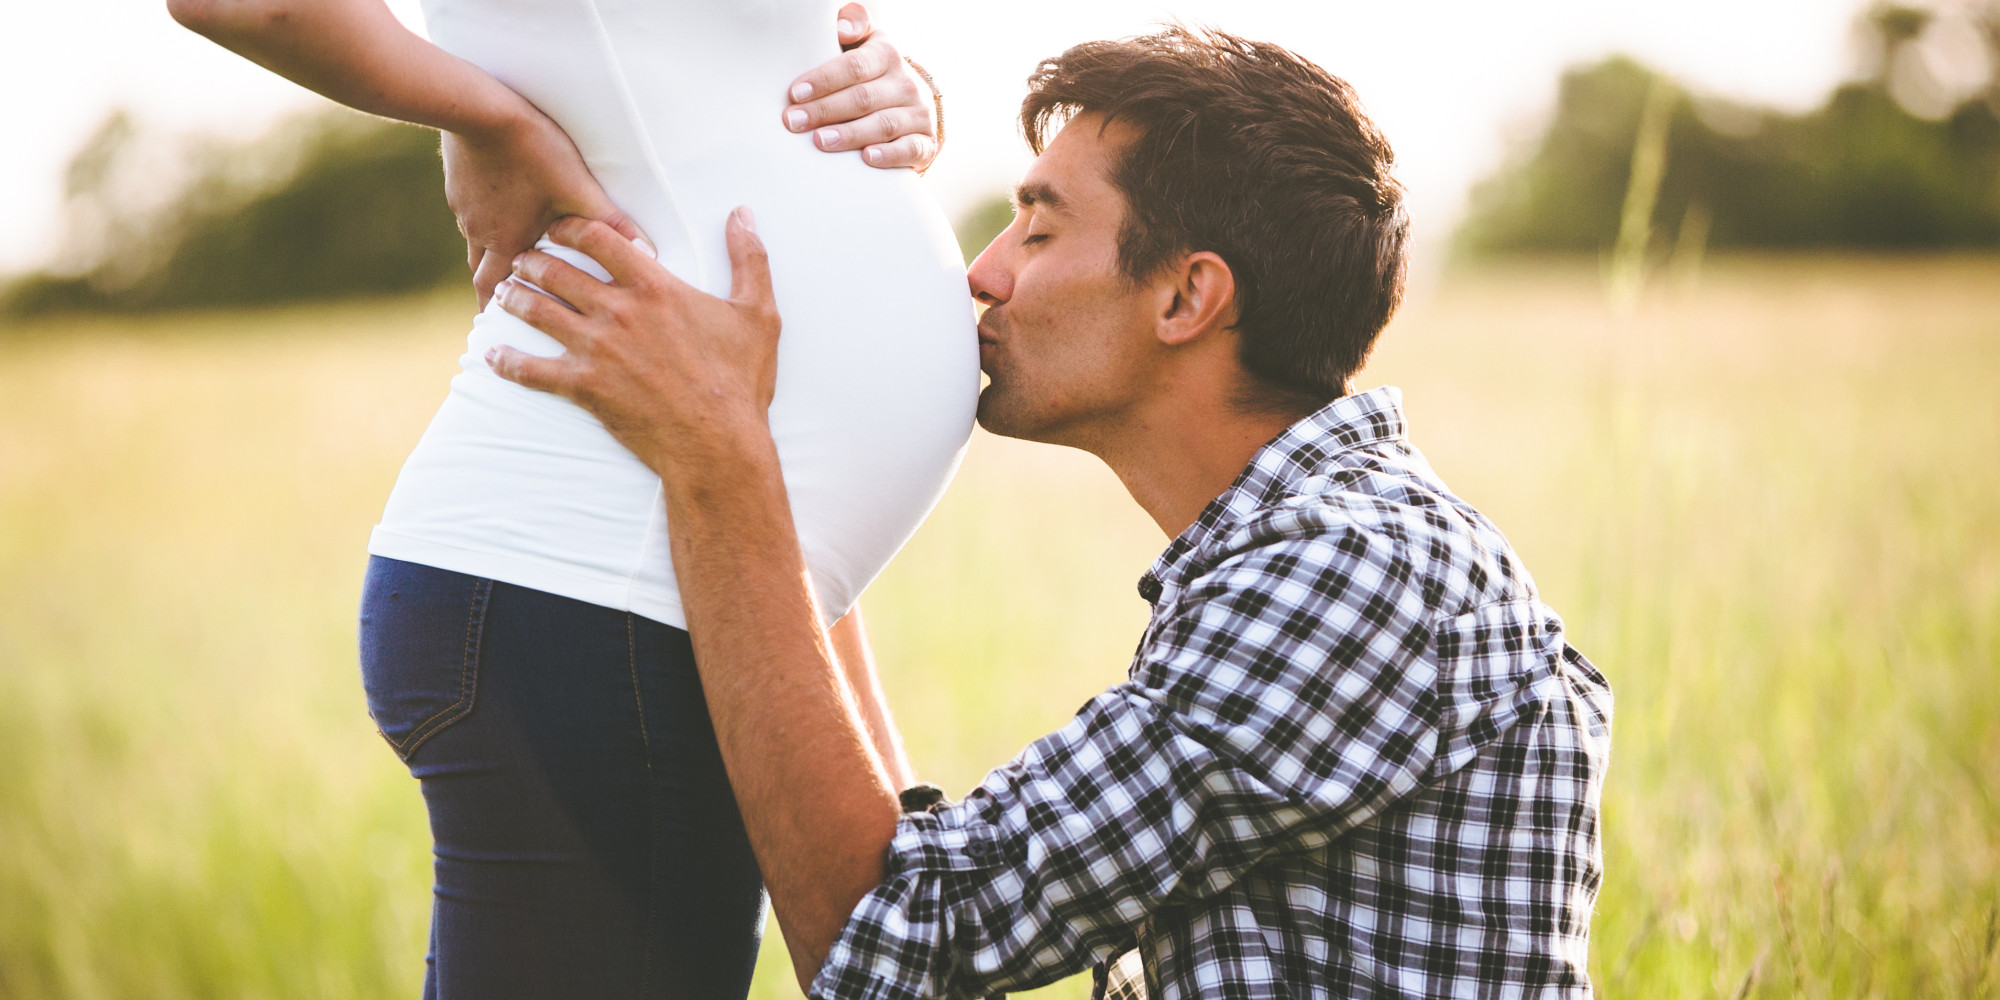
(989, 278)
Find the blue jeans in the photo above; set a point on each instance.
(587, 841)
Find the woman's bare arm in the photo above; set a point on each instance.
(510, 171)
(857, 662)
(357, 53)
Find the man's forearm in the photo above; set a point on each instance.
(857, 661)
(686, 380)
(816, 798)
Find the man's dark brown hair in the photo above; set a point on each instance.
(1248, 151)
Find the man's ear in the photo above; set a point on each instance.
(1201, 298)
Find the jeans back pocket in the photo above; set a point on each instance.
(420, 634)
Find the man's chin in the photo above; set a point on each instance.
(997, 415)
(1007, 416)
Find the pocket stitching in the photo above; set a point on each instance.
(475, 621)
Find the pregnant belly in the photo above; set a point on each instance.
(877, 381)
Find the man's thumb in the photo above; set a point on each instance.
(749, 264)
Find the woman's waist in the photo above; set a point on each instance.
(814, 210)
(642, 79)
(501, 470)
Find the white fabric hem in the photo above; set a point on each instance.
(615, 592)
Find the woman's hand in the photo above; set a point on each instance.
(508, 185)
(867, 98)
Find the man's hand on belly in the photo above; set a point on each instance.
(671, 371)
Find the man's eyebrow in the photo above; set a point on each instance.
(1035, 193)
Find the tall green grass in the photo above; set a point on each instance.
(1768, 505)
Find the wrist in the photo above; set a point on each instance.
(496, 117)
(717, 462)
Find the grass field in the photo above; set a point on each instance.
(1768, 505)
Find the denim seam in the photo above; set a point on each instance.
(468, 676)
(652, 815)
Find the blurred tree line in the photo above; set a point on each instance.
(331, 204)
(336, 204)
(1907, 155)
(327, 205)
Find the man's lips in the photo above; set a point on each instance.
(988, 346)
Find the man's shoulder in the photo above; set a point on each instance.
(1390, 515)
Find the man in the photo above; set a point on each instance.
(1354, 756)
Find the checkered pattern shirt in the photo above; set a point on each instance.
(1354, 758)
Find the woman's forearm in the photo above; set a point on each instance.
(357, 53)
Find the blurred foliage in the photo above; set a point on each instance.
(328, 205)
(1906, 156)
(986, 220)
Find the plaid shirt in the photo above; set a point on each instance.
(1354, 758)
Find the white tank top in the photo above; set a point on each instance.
(675, 105)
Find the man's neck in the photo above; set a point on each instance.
(1182, 453)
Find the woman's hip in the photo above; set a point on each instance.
(586, 835)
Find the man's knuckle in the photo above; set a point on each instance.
(619, 311)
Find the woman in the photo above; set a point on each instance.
(521, 631)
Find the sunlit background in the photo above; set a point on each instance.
(1452, 82)
(1707, 316)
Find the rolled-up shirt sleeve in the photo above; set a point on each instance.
(1283, 697)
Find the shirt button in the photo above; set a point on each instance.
(980, 850)
(1149, 588)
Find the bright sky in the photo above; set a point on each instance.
(1451, 82)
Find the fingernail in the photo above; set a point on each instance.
(801, 90)
(828, 136)
(846, 26)
(874, 155)
(646, 247)
(518, 258)
(796, 118)
(744, 216)
(492, 356)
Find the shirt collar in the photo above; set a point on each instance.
(1347, 423)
